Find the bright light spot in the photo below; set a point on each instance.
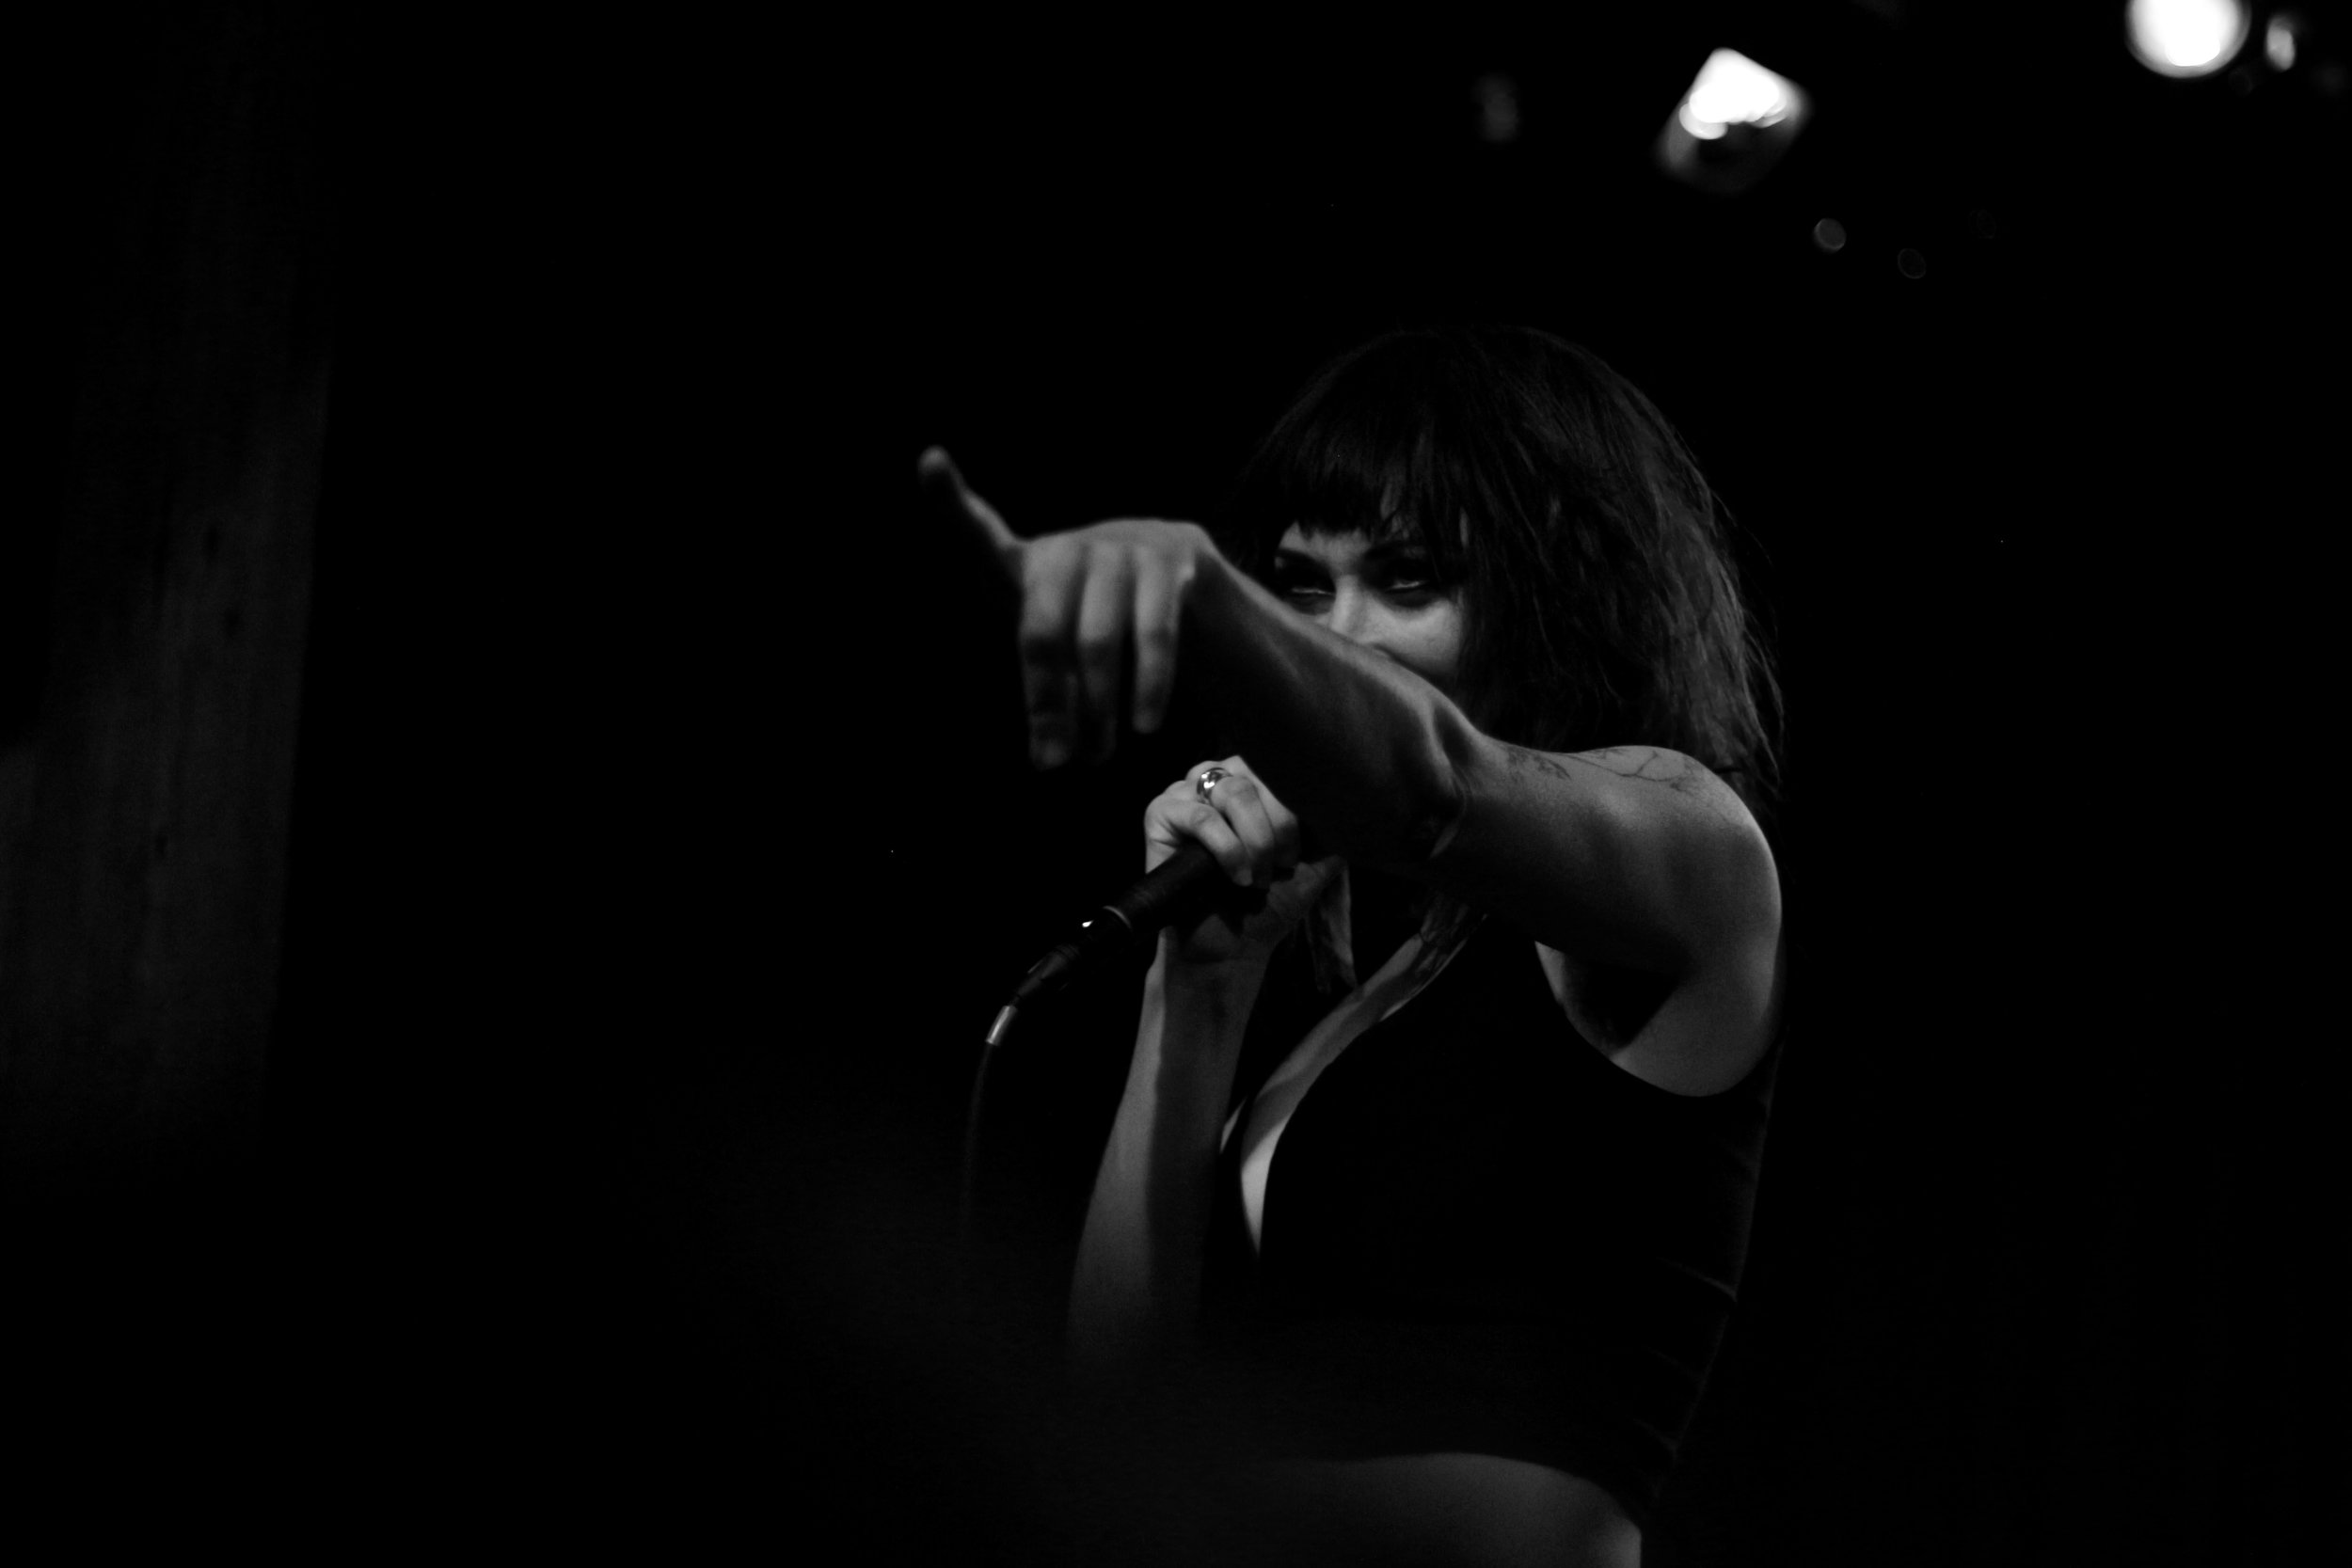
(1829, 235)
(1498, 101)
(1734, 123)
(2278, 43)
(1732, 90)
(2185, 37)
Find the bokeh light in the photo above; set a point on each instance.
(2278, 43)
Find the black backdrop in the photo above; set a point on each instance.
(663, 838)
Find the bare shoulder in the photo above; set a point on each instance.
(1684, 816)
(1700, 1029)
(1630, 857)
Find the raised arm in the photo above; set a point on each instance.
(1636, 857)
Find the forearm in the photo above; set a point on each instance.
(1136, 1289)
(1360, 747)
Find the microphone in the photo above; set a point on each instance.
(1179, 887)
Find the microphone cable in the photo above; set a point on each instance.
(1187, 877)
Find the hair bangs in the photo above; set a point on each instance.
(1363, 450)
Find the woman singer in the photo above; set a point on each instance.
(1467, 1232)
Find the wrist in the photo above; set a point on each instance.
(1205, 1006)
(1238, 972)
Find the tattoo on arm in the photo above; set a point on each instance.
(1537, 762)
(1686, 776)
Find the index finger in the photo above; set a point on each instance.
(940, 478)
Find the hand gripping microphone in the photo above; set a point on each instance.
(1183, 885)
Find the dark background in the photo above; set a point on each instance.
(661, 838)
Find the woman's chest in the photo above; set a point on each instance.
(1466, 1104)
(1444, 1161)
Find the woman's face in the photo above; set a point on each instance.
(1382, 595)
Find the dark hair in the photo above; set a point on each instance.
(1601, 602)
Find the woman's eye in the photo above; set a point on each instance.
(1414, 581)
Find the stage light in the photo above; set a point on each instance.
(1732, 90)
(2185, 37)
(1732, 125)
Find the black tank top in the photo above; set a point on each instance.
(1479, 1235)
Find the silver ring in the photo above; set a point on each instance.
(1209, 779)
